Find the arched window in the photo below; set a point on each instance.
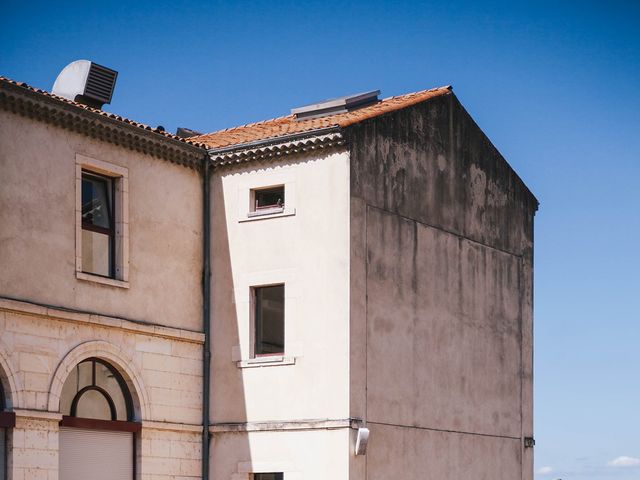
(95, 390)
(97, 431)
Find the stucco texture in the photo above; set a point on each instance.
(38, 236)
(441, 299)
(308, 251)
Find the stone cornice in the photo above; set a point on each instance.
(23, 307)
(41, 106)
(281, 425)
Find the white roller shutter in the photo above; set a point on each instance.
(95, 454)
(3, 453)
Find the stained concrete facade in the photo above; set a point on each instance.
(441, 298)
(406, 251)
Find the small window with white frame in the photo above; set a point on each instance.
(102, 229)
(267, 201)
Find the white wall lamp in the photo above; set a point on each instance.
(362, 438)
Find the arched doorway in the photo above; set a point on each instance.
(3, 439)
(7, 421)
(97, 431)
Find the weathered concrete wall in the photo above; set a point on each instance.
(441, 307)
(38, 235)
(433, 164)
(410, 453)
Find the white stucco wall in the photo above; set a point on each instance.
(300, 455)
(307, 249)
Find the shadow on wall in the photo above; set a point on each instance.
(227, 387)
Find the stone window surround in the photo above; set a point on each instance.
(243, 354)
(275, 179)
(121, 177)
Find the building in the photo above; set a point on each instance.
(368, 311)
(66, 300)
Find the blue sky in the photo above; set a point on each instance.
(555, 85)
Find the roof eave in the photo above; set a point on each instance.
(275, 147)
(274, 140)
(30, 103)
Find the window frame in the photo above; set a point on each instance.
(246, 188)
(128, 425)
(4, 425)
(257, 318)
(7, 419)
(128, 401)
(258, 475)
(119, 177)
(110, 188)
(242, 354)
(275, 209)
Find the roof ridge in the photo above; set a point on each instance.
(419, 92)
(288, 124)
(250, 124)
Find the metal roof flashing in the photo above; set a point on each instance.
(332, 106)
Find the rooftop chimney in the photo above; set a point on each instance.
(86, 82)
(336, 105)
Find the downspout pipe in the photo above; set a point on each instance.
(206, 312)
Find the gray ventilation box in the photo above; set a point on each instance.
(183, 132)
(86, 82)
(336, 105)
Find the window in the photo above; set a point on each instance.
(269, 320)
(265, 201)
(97, 433)
(268, 195)
(3, 438)
(102, 222)
(267, 313)
(95, 390)
(7, 421)
(268, 476)
(98, 225)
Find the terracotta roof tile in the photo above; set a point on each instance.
(281, 126)
(113, 116)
